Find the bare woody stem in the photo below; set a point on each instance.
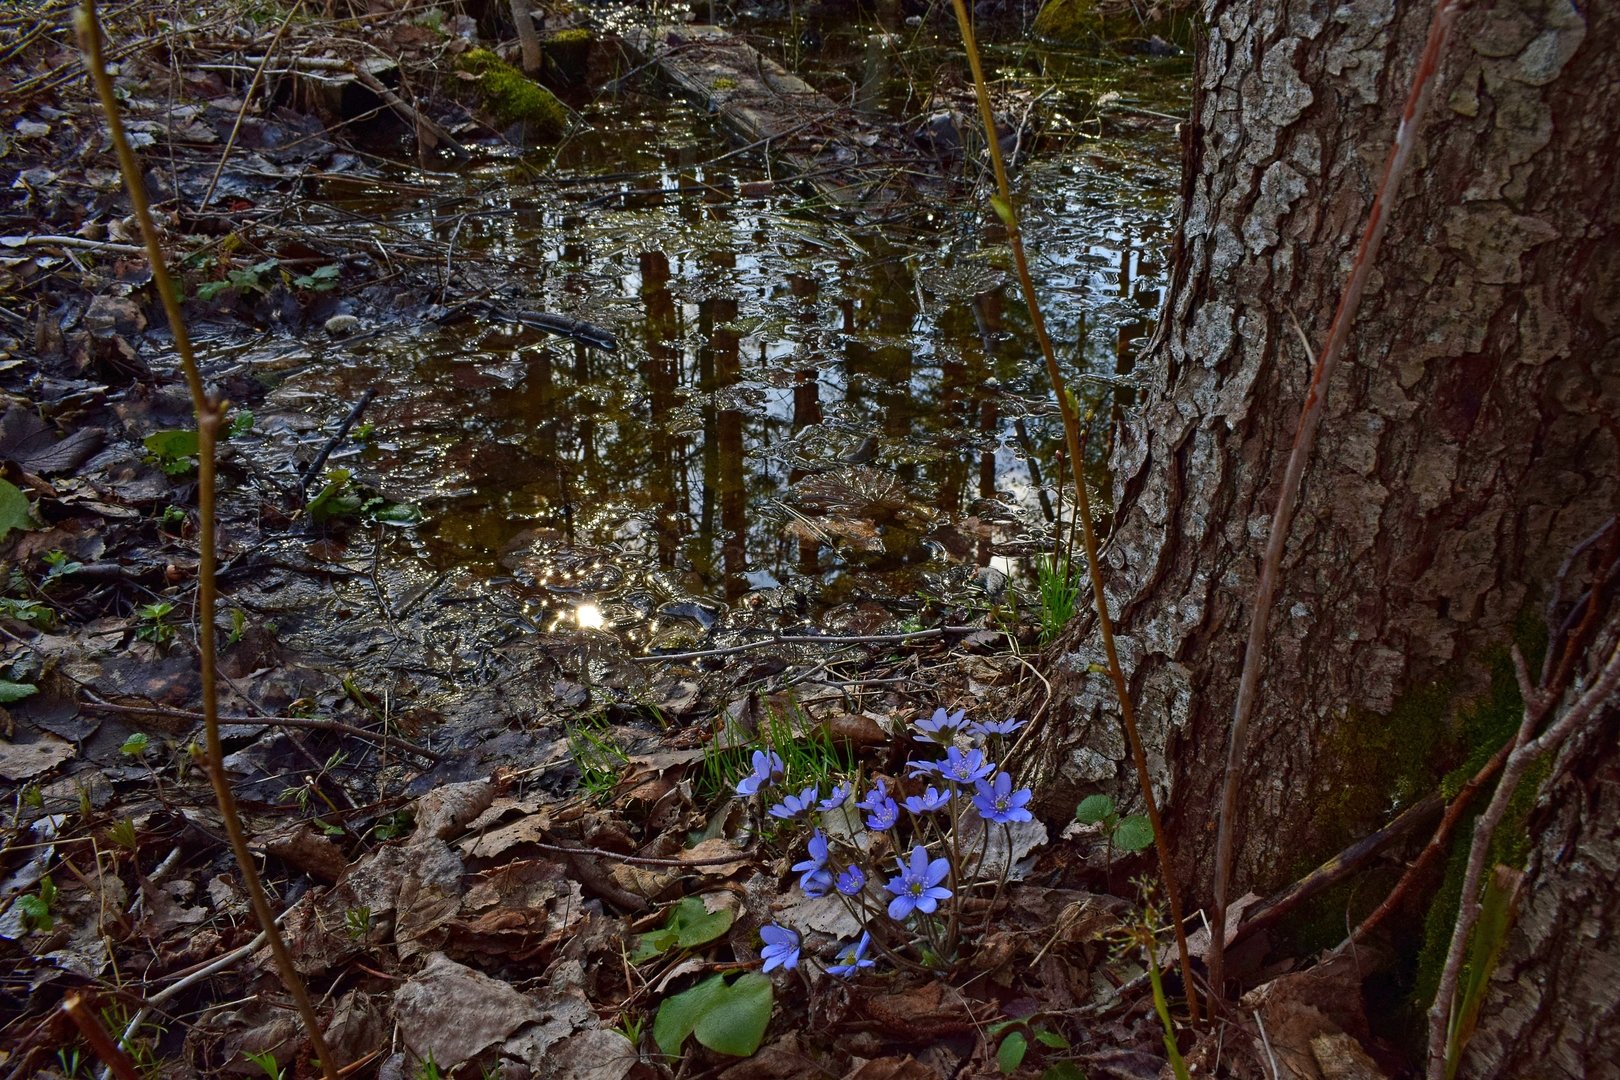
(1417, 103)
(209, 413)
(1071, 435)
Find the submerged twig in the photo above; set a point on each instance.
(1417, 102)
(1071, 434)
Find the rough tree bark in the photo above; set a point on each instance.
(1471, 436)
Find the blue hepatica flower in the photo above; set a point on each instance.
(942, 727)
(839, 796)
(815, 879)
(781, 947)
(928, 801)
(768, 769)
(980, 728)
(965, 766)
(917, 886)
(998, 801)
(875, 797)
(852, 958)
(794, 805)
(925, 768)
(851, 881)
(883, 815)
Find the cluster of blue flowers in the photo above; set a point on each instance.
(963, 778)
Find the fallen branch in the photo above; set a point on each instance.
(810, 639)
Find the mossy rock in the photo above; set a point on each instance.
(568, 54)
(513, 98)
(1080, 22)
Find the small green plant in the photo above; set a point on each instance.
(632, 1026)
(597, 756)
(174, 451)
(31, 612)
(238, 626)
(1131, 833)
(153, 623)
(690, 923)
(357, 922)
(38, 908)
(122, 833)
(68, 1061)
(248, 279)
(266, 1060)
(1059, 585)
(814, 757)
(15, 691)
(173, 519)
(241, 423)
(58, 566)
(429, 1069)
(393, 826)
(340, 498)
(1015, 1040)
(136, 745)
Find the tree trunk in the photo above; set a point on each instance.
(1470, 437)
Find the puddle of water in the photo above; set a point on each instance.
(796, 398)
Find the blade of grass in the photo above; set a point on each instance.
(210, 414)
(1071, 434)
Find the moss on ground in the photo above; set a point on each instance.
(513, 98)
(568, 54)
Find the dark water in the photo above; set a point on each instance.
(798, 398)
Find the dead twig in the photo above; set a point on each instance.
(97, 1037)
(809, 639)
(309, 723)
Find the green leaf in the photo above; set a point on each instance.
(690, 923)
(678, 1015)
(1051, 1040)
(320, 279)
(727, 1019)
(210, 289)
(1010, 1054)
(172, 445)
(13, 509)
(135, 745)
(735, 1024)
(15, 691)
(1134, 833)
(241, 423)
(1004, 211)
(1093, 809)
(1063, 1070)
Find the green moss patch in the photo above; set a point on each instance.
(513, 98)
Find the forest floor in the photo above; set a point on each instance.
(497, 852)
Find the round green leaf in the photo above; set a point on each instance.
(735, 1024)
(1134, 833)
(1093, 808)
(678, 1015)
(13, 508)
(1010, 1054)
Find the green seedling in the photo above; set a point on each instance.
(238, 626)
(173, 519)
(597, 756)
(1131, 833)
(174, 451)
(123, 835)
(392, 827)
(38, 908)
(357, 922)
(429, 1069)
(69, 1061)
(59, 566)
(340, 498)
(31, 612)
(153, 623)
(136, 745)
(266, 1060)
(1015, 1040)
(320, 279)
(249, 279)
(631, 1027)
(1060, 594)
(241, 423)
